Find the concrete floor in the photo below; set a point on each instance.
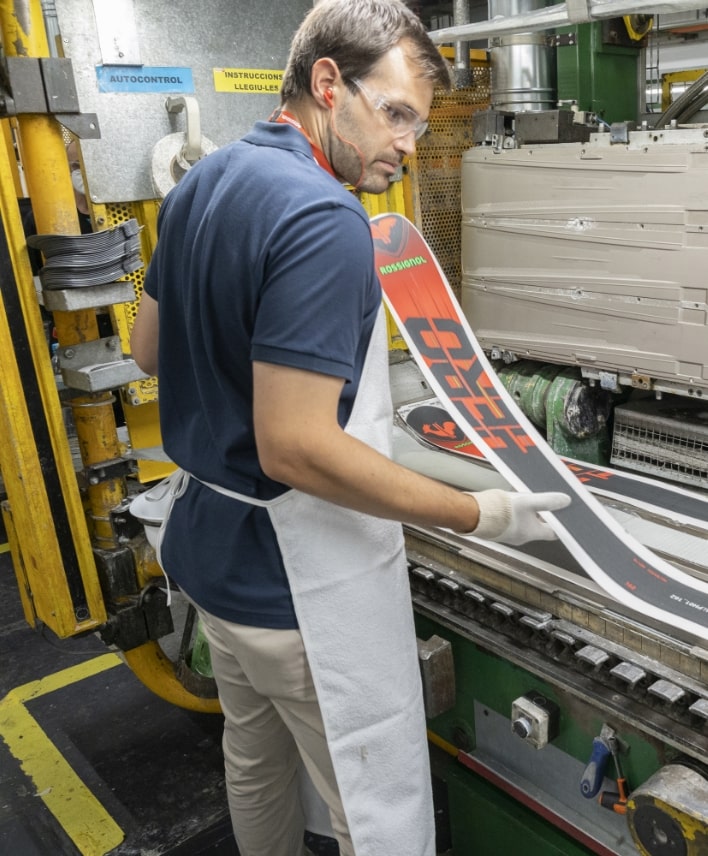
(91, 759)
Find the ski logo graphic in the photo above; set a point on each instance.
(452, 361)
(436, 426)
(389, 232)
(402, 265)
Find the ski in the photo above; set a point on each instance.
(429, 422)
(441, 340)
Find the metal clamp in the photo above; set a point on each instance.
(44, 85)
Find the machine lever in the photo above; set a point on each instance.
(617, 801)
(174, 155)
(192, 150)
(594, 773)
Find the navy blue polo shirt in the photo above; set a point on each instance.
(261, 255)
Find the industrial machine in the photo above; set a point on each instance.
(575, 236)
(582, 227)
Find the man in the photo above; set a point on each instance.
(274, 398)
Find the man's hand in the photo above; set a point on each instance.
(512, 518)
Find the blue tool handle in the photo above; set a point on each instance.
(595, 771)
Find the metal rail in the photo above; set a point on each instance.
(560, 15)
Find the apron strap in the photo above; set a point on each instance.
(225, 491)
(175, 486)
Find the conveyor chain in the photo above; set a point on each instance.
(653, 696)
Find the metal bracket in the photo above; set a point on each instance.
(619, 132)
(82, 125)
(609, 381)
(578, 11)
(88, 296)
(437, 670)
(140, 621)
(100, 378)
(641, 381)
(105, 471)
(97, 366)
(561, 40)
(44, 85)
(97, 351)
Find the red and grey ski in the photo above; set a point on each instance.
(453, 363)
(431, 423)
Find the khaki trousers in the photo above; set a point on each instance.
(272, 720)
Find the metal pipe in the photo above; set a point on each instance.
(560, 15)
(687, 104)
(523, 65)
(51, 25)
(461, 15)
(98, 443)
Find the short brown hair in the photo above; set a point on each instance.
(356, 34)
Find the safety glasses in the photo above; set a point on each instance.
(399, 117)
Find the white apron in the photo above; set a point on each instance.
(349, 582)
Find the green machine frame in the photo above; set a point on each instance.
(598, 68)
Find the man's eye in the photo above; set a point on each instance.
(395, 115)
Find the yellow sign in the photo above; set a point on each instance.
(256, 81)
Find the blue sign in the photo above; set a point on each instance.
(142, 78)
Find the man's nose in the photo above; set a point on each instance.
(405, 143)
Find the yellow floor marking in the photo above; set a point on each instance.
(4, 548)
(84, 819)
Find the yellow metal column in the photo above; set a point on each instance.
(98, 444)
(52, 545)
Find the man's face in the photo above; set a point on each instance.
(375, 128)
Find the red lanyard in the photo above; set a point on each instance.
(317, 152)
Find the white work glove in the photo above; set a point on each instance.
(512, 518)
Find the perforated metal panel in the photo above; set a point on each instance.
(140, 397)
(436, 170)
(111, 216)
(666, 438)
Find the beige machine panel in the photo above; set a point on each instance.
(592, 254)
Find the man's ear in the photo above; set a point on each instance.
(324, 82)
